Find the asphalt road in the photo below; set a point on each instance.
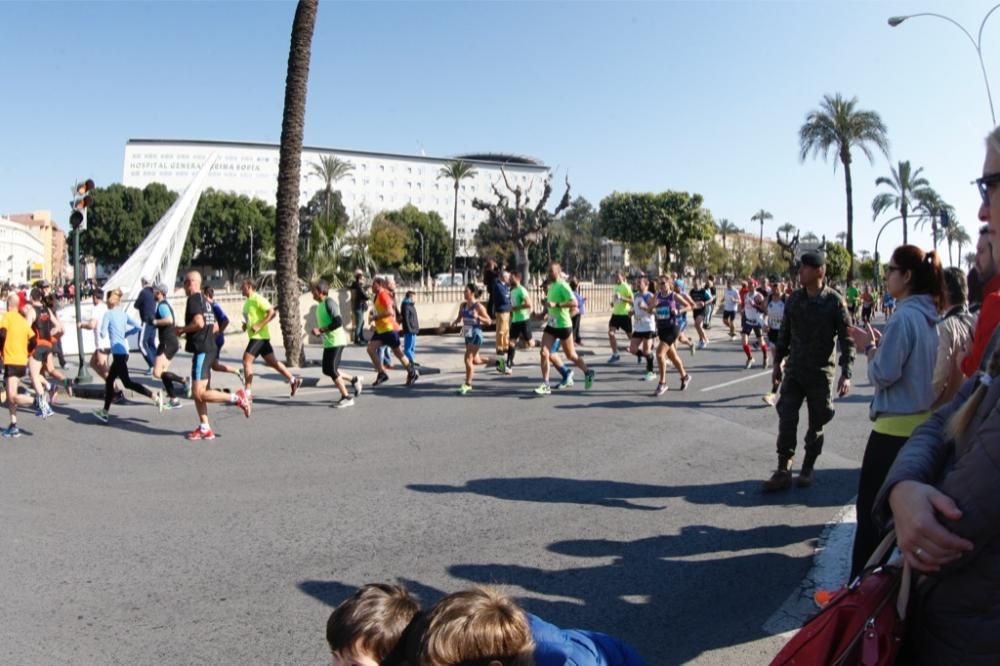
(605, 509)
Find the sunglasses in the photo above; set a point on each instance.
(985, 184)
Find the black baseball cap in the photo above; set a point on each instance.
(814, 259)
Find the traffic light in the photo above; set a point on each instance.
(82, 198)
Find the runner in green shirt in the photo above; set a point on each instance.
(621, 320)
(520, 318)
(560, 303)
(330, 327)
(852, 302)
(257, 314)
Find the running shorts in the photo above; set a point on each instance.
(621, 323)
(41, 353)
(475, 337)
(389, 339)
(168, 349)
(749, 328)
(331, 361)
(520, 329)
(728, 316)
(772, 335)
(257, 348)
(201, 366)
(699, 312)
(866, 311)
(559, 333)
(643, 335)
(15, 370)
(667, 332)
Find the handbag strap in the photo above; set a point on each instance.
(883, 550)
(880, 556)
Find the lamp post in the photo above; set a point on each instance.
(878, 266)
(976, 44)
(251, 252)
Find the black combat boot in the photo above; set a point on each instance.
(782, 477)
(807, 471)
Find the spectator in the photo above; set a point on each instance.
(954, 336)
(988, 269)
(367, 627)
(411, 327)
(359, 304)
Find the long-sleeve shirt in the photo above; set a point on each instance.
(811, 327)
(989, 319)
(117, 326)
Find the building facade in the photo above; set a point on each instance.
(41, 225)
(378, 181)
(22, 254)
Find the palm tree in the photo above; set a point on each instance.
(907, 186)
(842, 237)
(331, 169)
(810, 237)
(289, 180)
(957, 235)
(457, 170)
(931, 207)
(725, 228)
(865, 255)
(760, 216)
(787, 228)
(970, 260)
(838, 125)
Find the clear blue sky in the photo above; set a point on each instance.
(706, 97)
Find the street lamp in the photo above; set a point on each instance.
(976, 43)
(251, 252)
(878, 266)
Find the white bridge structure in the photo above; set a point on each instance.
(157, 259)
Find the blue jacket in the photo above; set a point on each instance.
(501, 297)
(145, 303)
(576, 647)
(902, 370)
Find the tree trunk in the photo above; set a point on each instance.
(454, 235)
(521, 257)
(903, 212)
(289, 178)
(848, 186)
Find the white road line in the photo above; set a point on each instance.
(736, 381)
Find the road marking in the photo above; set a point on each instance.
(736, 381)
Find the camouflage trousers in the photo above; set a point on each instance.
(815, 390)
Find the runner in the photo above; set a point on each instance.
(644, 309)
(710, 306)
(560, 302)
(41, 347)
(257, 314)
(867, 305)
(168, 346)
(730, 306)
(888, 304)
(682, 321)
(117, 325)
(702, 297)
(47, 313)
(330, 325)
(472, 314)
(775, 315)
(621, 303)
(666, 311)
(102, 346)
(386, 334)
(754, 307)
(15, 357)
(222, 321)
(520, 318)
(199, 329)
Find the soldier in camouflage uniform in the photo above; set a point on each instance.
(815, 318)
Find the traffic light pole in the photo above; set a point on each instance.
(83, 376)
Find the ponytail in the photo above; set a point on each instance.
(926, 272)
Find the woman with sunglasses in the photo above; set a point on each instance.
(942, 496)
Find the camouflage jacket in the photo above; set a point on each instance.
(810, 328)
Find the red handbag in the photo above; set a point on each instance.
(863, 623)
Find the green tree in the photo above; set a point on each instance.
(435, 234)
(866, 269)
(906, 186)
(289, 177)
(220, 231)
(667, 220)
(120, 218)
(838, 126)
(330, 169)
(761, 216)
(322, 227)
(492, 242)
(388, 242)
(838, 261)
(725, 228)
(788, 229)
(581, 229)
(457, 171)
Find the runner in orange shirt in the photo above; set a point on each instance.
(387, 334)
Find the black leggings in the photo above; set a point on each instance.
(119, 370)
(880, 453)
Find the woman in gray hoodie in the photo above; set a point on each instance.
(901, 368)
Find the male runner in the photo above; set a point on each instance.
(386, 334)
(701, 296)
(644, 332)
(775, 315)
(520, 318)
(17, 333)
(559, 302)
(330, 325)
(815, 322)
(621, 302)
(102, 345)
(730, 306)
(853, 295)
(754, 307)
(199, 328)
(257, 314)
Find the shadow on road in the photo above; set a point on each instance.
(834, 487)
